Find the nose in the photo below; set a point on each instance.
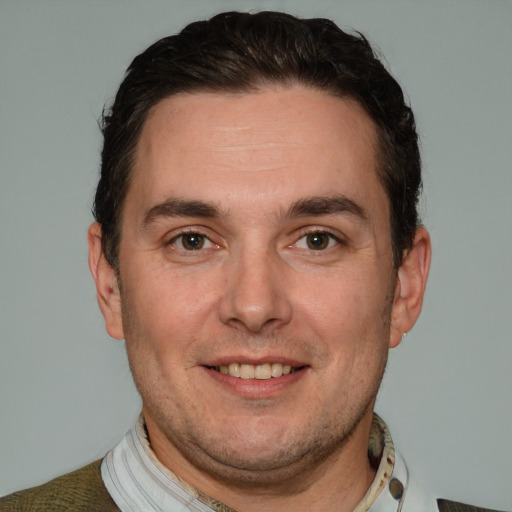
(256, 296)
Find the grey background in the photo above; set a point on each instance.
(66, 391)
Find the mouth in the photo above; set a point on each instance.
(263, 371)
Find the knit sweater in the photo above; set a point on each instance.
(79, 491)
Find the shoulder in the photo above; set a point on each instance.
(453, 506)
(81, 490)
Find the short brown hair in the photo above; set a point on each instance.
(242, 52)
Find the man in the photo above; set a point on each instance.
(258, 247)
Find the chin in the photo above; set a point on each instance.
(265, 457)
(254, 468)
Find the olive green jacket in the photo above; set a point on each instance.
(83, 491)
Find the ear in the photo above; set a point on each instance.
(410, 287)
(107, 288)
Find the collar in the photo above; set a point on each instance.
(139, 482)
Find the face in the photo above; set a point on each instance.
(256, 279)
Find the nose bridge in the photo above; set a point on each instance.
(255, 296)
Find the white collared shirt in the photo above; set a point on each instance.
(139, 482)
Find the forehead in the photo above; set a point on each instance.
(274, 144)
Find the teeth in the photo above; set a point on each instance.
(233, 369)
(247, 371)
(277, 370)
(261, 372)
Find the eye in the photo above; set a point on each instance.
(191, 242)
(317, 241)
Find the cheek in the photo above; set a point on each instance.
(164, 312)
(342, 299)
(348, 316)
(167, 291)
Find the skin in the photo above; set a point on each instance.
(237, 173)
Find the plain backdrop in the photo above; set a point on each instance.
(66, 390)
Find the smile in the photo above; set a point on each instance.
(261, 371)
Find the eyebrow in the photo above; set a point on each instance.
(174, 207)
(326, 205)
(310, 206)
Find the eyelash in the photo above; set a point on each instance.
(182, 235)
(210, 244)
(332, 238)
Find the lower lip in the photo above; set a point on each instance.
(256, 388)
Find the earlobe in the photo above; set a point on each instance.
(410, 286)
(107, 288)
